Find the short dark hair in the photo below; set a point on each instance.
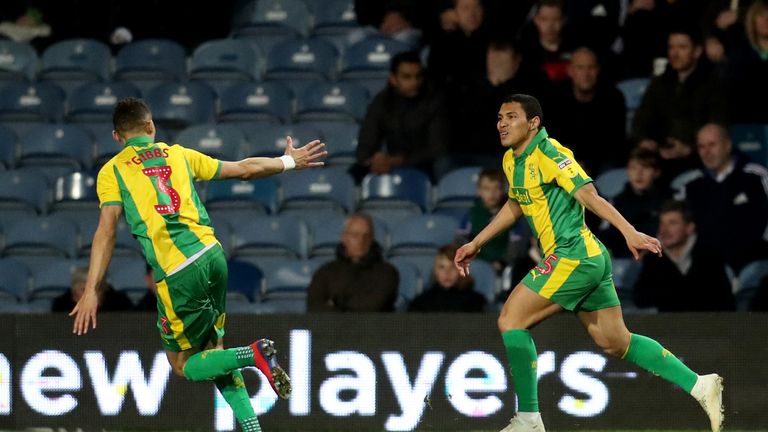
(130, 114)
(504, 44)
(403, 57)
(530, 104)
(690, 30)
(645, 157)
(677, 206)
(493, 174)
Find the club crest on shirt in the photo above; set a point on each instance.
(567, 167)
(532, 171)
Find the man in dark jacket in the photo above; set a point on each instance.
(110, 300)
(358, 280)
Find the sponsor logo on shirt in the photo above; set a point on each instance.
(521, 196)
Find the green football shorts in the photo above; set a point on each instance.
(576, 285)
(191, 302)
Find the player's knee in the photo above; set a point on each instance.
(178, 369)
(507, 322)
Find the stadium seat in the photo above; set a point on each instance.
(326, 233)
(486, 282)
(222, 229)
(751, 140)
(633, 90)
(457, 189)
(224, 142)
(312, 59)
(404, 188)
(270, 140)
(125, 244)
(625, 273)
(318, 188)
(94, 102)
(9, 150)
(14, 281)
(223, 62)
(749, 283)
(421, 234)
(334, 17)
(148, 62)
(18, 61)
(129, 277)
(411, 280)
(54, 279)
(176, 106)
(270, 102)
(245, 281)
(282, 306)
(23, 189)
(370, 57)
(50, 236)
(271, 17)
(289, 279)
(323, 101)
(257, 195)
(271, 236)
(24, 106)
(62, 144)
(75, 191)
(612, 182)
(72, 62)
(341, 139)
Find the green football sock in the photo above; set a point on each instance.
(651, 356)
(213, 363)
(232, 387)
(521, 355)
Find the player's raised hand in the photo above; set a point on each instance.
(308, 155)
(85, 312)
(464, 256)
(638, 241)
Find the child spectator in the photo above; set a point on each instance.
(448, 292)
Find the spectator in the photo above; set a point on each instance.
(580, 101)
(109, 298)
(729, 200)
(639, 202)
(149, 301)
(644, 37)
(448, 292)
(687, 277)
(396, 21)
(684, 98)
(358, 280)
(677, 154)
(547, 49)
(406, 124)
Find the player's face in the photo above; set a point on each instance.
(682, 53)
(356, 238)
(714, 149)
(469, 14)
(408, 79)
(512, 125)
(673, 230)
(491, 192)
(549, 22)
(641, 176)
(446, 274)
(583, 70)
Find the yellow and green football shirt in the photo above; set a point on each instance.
(154, 184)
(543, 180)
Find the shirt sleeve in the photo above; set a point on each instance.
(563, 169)
(107, 188)
(203, 166)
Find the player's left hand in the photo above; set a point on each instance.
(638, 241)
(308, 155)
(85, 312)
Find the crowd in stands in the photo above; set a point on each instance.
(662, 102)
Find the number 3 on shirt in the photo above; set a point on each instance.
(163, 173)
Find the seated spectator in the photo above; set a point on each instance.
(582, 99)
(729, 200)
(678, 156)
(687, 277)
(639, 202)
(149, 301)
(547, 49)
(406, 124)
(358, 280)
(683, 99)
(396, 21)
(110, 300)
(644, 37)
(449, 292)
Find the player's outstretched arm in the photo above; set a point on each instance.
(307, 156)
(500, 223)
(101, 253)
(636, 241)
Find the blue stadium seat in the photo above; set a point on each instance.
(105, 147)
(312, 59)
(272, 17)
(486, 282)
(222, 229)
(245, 281)
(125, 244)
(24, 106)
(24, 189)
(403, 188)
(9, 150)
(421, 234)
(257, 195)
(179, 105)
(625, 273)
(752, 140)
(341, 139)
(14, 281)
(319, 188)
(18, 61)
(223, 62)
(289, 279)
(370, 58)
(326, 233)
(94, 102)
(633, 90)
(611, 183)
(129, 277)
(270, 140)
(54, 279)
(334, 17)
(270, 102)
(458, 188)
(271, 236)
(50, 236)
(72, 62)
(749, 283)
(224, 142)
(424, 262)
(61, 144)
(75, 191)
(148, 62)
(411, 280)
(341, 101)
